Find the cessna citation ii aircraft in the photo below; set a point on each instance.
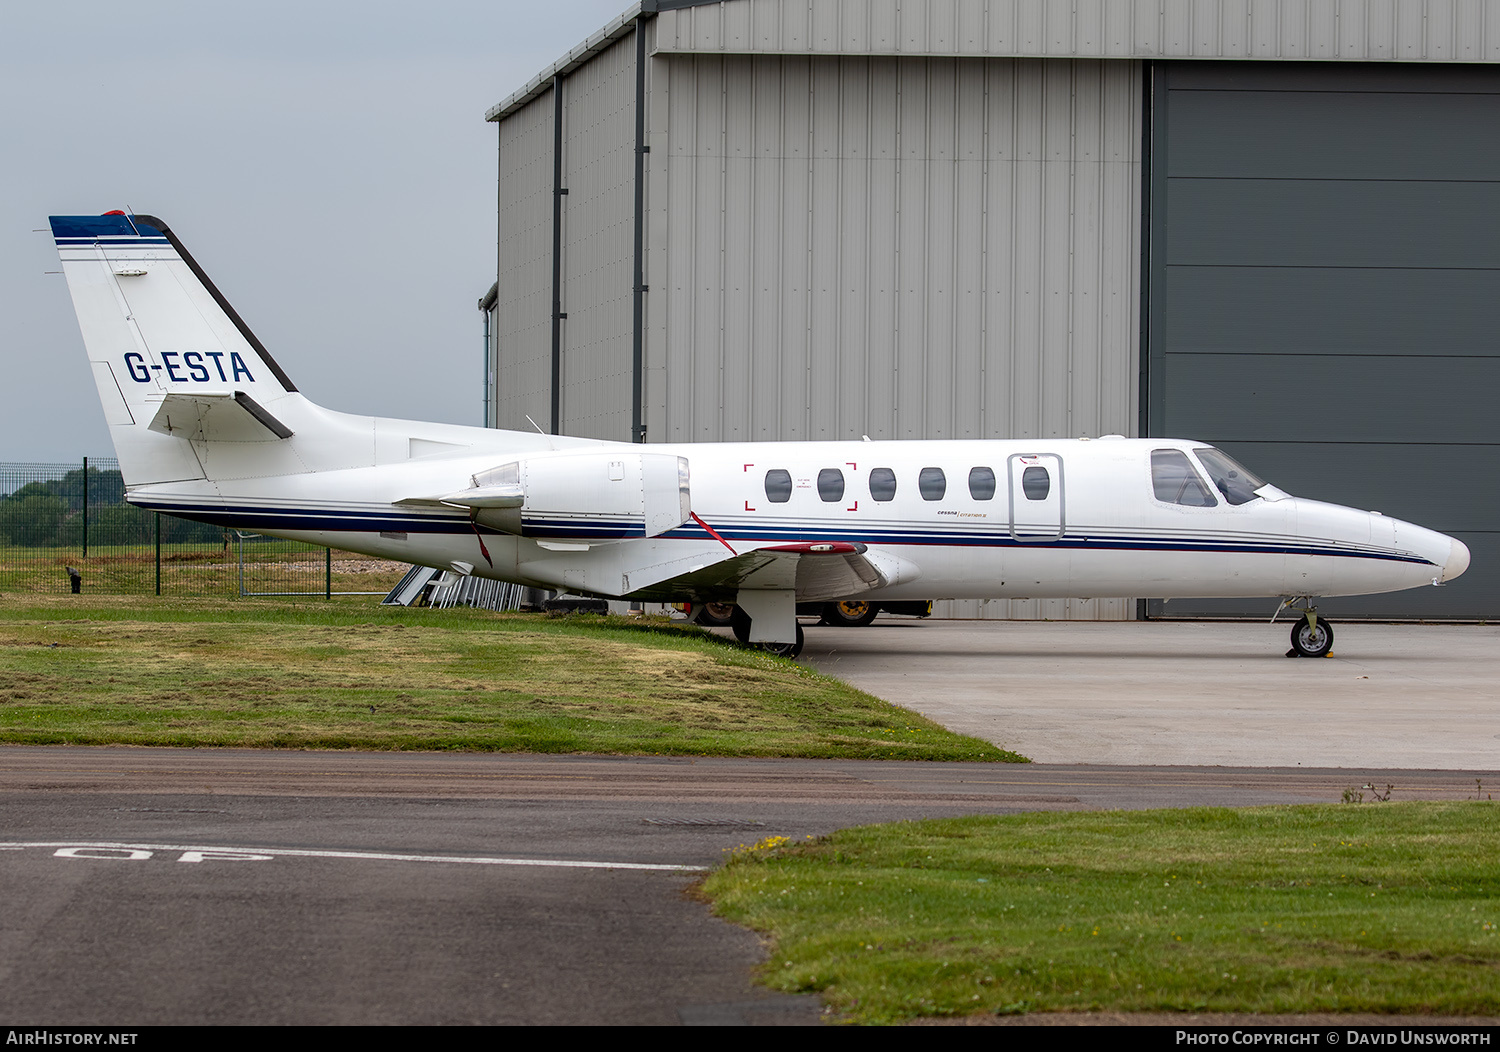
(207, 426)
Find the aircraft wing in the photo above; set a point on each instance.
(815, 570)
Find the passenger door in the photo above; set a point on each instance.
(1037, 511)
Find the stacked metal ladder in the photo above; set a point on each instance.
(428, 586)
(458, 590)
(410, 589)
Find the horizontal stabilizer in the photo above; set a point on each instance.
(217, 418)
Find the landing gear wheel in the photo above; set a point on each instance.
(714, 615)
(1312, 640)
(741, 626)
(786, 650)
(849, 614)
(740, 622)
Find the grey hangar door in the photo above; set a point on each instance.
(1323, 295)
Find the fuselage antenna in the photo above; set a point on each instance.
(539, 431)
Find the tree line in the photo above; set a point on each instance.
(49, 514)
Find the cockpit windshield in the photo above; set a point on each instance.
(1233, 480)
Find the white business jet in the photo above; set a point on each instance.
(207, 426)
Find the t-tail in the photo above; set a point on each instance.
(173, 360)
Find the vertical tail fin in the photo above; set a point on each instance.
(172, 359)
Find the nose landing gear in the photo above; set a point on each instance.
(1312, 636)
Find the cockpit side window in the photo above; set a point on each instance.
(1175, 482)
(1231, 479)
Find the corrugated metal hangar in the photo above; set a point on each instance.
(1273, 225)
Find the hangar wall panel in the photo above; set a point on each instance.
(599, 244)
(1324, 273)
(1321, 30)
(899, 248)
(521, 328)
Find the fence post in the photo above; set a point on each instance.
(327, 573)
(239, 539)
(158, 553)
(85, 507)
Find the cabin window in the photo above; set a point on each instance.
(932, 483)
(882, 484)
(1175, 481)
(830, 485)
(1229, 478)
(778, 486)
(1036, 483)
(981, 484)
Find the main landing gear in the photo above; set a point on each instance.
(740, 623)
(714, 615)
(851, 613)
(1312, 636)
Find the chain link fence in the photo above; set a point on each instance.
(67, 523)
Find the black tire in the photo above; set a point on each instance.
(852, 613)
(714, 615)
(786, 650)
(740, 622)
(1312, 642)
(741, 626)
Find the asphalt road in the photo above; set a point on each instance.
(152, 886)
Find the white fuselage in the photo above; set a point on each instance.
(1100, 531)
(207, 425)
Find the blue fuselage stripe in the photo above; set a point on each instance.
(352, 521)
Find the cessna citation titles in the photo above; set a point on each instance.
(207, 426)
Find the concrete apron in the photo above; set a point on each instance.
(1198, 693)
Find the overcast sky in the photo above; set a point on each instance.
(327, 163)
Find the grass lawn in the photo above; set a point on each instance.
(1379, 907)
(351, 674)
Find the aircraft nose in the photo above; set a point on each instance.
(1457, 561)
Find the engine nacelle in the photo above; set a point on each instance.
(581, 496)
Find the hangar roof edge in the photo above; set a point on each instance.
(613, 30)
(1377, 32)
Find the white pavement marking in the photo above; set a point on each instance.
(249, 854)
(125, 854)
